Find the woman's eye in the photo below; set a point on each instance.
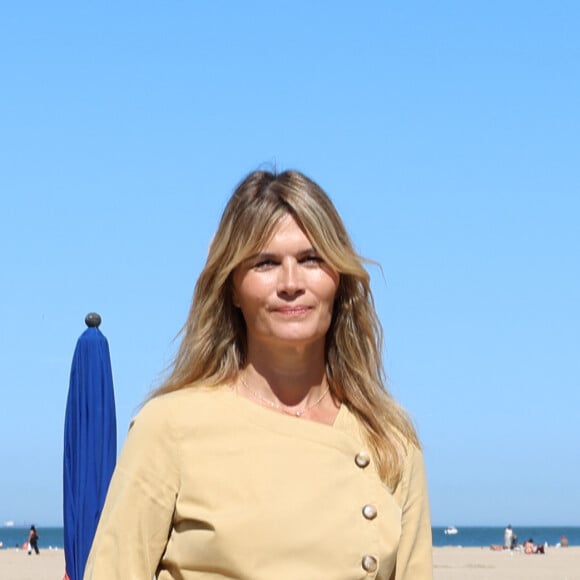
(263, 264)
(312, 259)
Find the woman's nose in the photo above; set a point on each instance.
(290, 279)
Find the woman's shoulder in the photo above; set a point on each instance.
(183, 404)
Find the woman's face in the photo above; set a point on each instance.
(286, 292)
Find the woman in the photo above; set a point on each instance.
(272, 450)
(33, 541)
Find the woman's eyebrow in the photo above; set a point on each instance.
(261, 256)
(275, 255)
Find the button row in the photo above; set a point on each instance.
(369, 511)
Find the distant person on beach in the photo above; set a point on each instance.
(531, 548)
(563, 541)
(508, 537)
(273, 450)
(510, 540)
(33, 540)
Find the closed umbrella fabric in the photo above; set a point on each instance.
(90, 446)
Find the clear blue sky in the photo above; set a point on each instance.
(446, 132)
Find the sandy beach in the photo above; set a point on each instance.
(449, 564)
(18, 565)
(480, 563)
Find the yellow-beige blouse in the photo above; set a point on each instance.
(212, 486)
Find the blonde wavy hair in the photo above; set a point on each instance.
(213, 340)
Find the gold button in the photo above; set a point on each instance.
(362, 459)
(369, 512)
(369, 563)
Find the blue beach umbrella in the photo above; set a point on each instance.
(90, 444)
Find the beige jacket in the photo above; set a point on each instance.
(212, 486)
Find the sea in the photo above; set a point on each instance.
(466, 536)
(485, 536)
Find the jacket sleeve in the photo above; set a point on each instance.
(415, 553)
(136, 520)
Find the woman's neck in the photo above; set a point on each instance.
(290, 375)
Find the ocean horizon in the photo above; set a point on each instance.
(485, 536)
(466, 536)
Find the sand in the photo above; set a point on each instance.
(449, 564)
(480, 563)
(18, 565)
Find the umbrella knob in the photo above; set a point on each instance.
(93, 320)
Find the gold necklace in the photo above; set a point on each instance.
(275, 405)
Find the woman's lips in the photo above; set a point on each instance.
(292, 310)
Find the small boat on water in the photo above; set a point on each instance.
(450, 531)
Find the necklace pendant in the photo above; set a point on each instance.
(298, 413)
